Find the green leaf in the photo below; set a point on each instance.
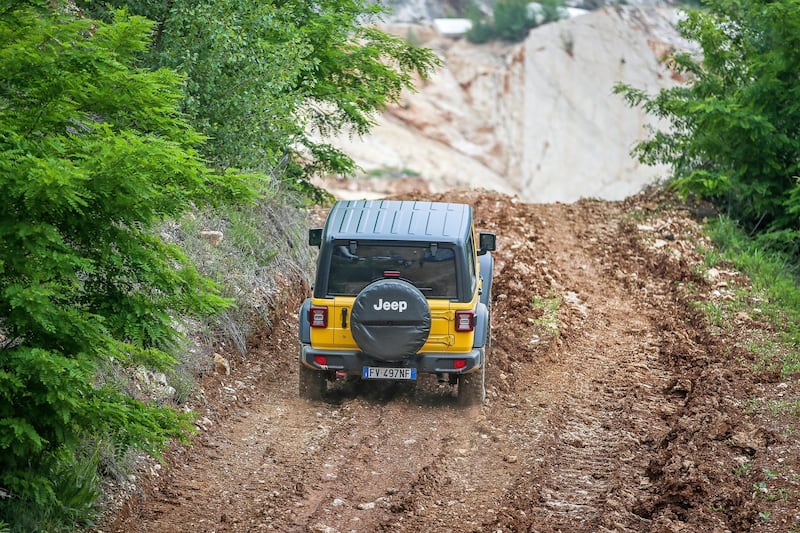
(732, 135)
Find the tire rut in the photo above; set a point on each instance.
(599, 396)
(381, 453)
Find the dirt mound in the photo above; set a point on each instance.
(613, 404)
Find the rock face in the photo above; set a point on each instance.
(537, 118)
(576, 134)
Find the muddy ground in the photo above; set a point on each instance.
(614, 404)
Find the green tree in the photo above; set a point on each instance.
(482, 30)
(94, 153)
(512, 19)
(733, 135)
(268, 80)
(551, 11)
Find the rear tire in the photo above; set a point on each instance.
(313, 383)
(472, 387)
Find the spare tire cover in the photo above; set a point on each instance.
(390, 319)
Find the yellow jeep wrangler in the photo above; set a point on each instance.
(402, 288)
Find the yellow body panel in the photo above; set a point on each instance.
(442, 338)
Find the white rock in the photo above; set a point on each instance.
(537, 118)
(213, 237)
(452, 27)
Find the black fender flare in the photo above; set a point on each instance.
(486, 262)
(304, 329)
(481, 325)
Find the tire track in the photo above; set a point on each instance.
(599, 396)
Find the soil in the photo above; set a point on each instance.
(614, 403)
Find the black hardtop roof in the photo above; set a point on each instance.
(394, 219)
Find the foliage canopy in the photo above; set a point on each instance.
(268, 80)
(94, 153)
(733, 135)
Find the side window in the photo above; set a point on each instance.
(470, 251)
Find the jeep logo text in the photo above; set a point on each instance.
(397, 305)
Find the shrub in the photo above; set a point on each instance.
(733, 136)
(94, 155)
(263, 75)
(512, 19)
(481, 31)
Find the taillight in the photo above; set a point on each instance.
(458, 364)
(318, 317)
(465, 320)
(321, 360)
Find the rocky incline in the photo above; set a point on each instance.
(538, 119)
(613, 405)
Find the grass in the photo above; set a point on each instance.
(548, 307)
(777, 407)
(774, 286)
(260, 244)
(393, 172)
(714, 312)
(770, 486)
(765, 350)
(773, 407)
(767, 488)
(75, 482)
(743, 469)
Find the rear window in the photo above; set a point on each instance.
(431, 269)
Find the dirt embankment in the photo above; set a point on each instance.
(613, 405)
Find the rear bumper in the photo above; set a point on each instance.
(353, 362)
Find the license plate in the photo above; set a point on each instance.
(377, 372)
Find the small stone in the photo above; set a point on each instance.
(222, 365)
(213, 237)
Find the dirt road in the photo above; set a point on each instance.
(613, 405)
